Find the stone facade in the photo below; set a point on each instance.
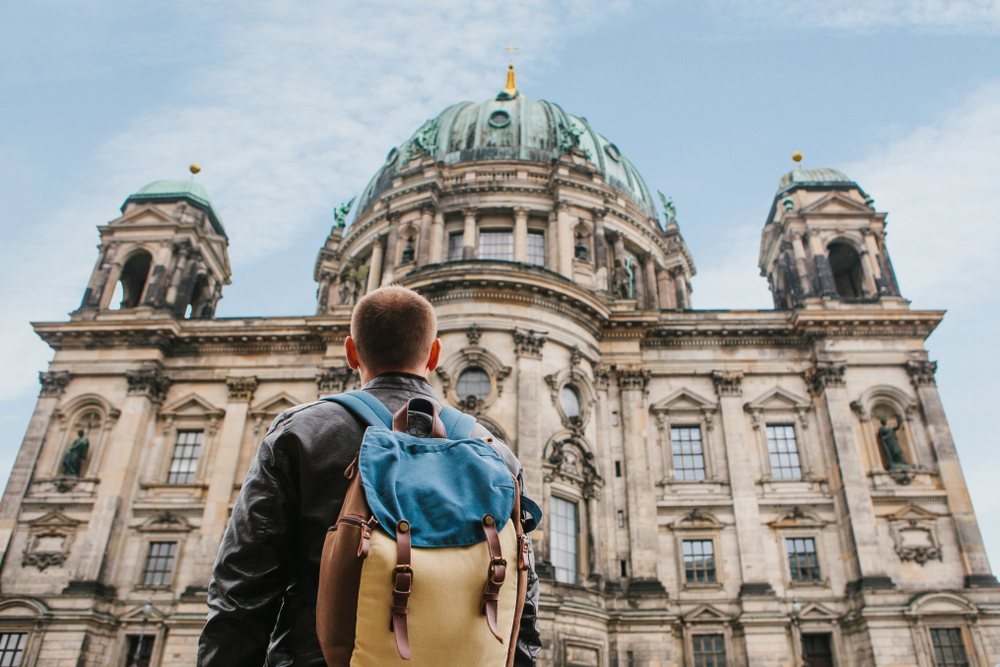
(716, 484)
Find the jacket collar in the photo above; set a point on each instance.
(401, 380)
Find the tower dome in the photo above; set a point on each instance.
(510, 127)
(171, 190)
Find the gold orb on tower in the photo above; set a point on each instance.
(797, 156)
(194, 168)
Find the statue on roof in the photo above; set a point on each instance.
(669, 210)
(569, 137)
(424, 141)
(340, 213)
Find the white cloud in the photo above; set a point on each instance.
(963, 15)
(294, 117)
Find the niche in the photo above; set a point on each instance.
(846, 266)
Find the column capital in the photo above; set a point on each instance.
(599, 213)
(241, 388)
(521, 211)
(728, 383)
(922, 372)
(560, 206)
(393, 217)
(150, 382)
(675, 270)
(632, 378)
(825, 374)
(334, 379)
(528, 343)
(428, 208)
(54, 383)
(470, 212)
(601, 373)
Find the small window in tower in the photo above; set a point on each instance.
(132, 281)
(569, 399)
(614, 418)
(621, 519)
(618, 468)
(496, 245)
(536, 248)
(624, 567)
(846, 266)
(473, 382)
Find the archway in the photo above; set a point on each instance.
(846, 266)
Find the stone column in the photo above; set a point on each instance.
(799, 252)
(520, 234)
(437, 239)
(643, 530)
(99, 278)
(619, 242)
(652, 292)
(389, 260)
(565, 237)
(668, 295)
(147, 388)
(827, 379)
(600, 251)
(375, 267)
(602, 414)
(680, 287)
(552, 244)
(226, 457)
(424, 243)
(868, 287)
(53, 386)
(970, 540)
(469, 234)
(183, 252)
(528, 346)
(824, 273)
(323, 293)
(742, 482)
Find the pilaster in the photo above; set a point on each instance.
(469, 233)
(520, 234)
(565, 239)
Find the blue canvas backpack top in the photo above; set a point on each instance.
(414, 569)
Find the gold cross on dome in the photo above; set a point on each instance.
(512, 49)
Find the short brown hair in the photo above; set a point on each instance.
(393, 328)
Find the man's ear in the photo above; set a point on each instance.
(432, 361)
(352, 353)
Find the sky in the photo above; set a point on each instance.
(290, 108)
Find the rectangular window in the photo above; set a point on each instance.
(784, 452)
(536, 248)
(618, 468)
(184, 463)
(614, 418)
(709, 650)
(624, 566)
(689, 460)
(455, 247)
(621, 519)
(699, 562)
(802, 558)
(12, 648)
(816, 650)
(140, 650)
(563, 541)
(949, 650)
(496, 245)
(159, 564)
(630, 658)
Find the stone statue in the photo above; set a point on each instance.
(569, 137)
(581, 248)
(424, 141)
(408, 251)
(76, 455)
(890, 445)
(351, 283)
(669, 210)
(340, 213)
(621, 281)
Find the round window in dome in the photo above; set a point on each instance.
(613, 152)
(499, 118)
(391, 157)
(570, 401)
(473, 382)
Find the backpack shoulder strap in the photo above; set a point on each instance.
(364, 406)
(457, 425)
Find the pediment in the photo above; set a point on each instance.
(697, 519)
(21, 607)
(705, 613)
(275, 404)
(817, 612)
(779, 398)
(911, 512)
(141, 612)
(54, 519)
(146, 214)
(942, 603)
(165, 522)
(836, 203)
(799, 518)
(684, 400)
(192, 405)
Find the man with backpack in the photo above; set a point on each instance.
(263, 593)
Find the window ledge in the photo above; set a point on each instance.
(702, 587)
(163, 485)
(822, 583)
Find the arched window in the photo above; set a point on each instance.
(195, 309)
(846, 266)
(569, 398)
(133, 280)
(473, 382)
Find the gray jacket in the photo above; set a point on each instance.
(262, 597)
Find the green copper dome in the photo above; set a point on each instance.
(190, 189)
(510, 127)
(823, 176)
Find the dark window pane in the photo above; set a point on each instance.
(949, 650)
(473, 382)
(140, 650)
(784, 452)
(536, 248)
(709, 650)
(689, 461)
(159, 563)
(699, 562)
(496, 245)
(802, 559)
(184, 463)
(12, 648)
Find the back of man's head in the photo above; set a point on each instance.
(393, 329)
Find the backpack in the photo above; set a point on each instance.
(415, 567)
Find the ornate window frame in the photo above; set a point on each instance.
(25, 616)
(472, 356)
(578, 380)
(54, 524)
(698, 524)
(799, 524)
(707, 620)
(685, 408)
(915, 519)
(779, 406)
(945, 610)
(163, 527)
(190, 413)
(817, 619)
(135, 622)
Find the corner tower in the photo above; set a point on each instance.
(824, 245)
(165, 256)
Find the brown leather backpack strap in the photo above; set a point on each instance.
(400, 420)
(523, 542)
(402, 579)
(494, 576)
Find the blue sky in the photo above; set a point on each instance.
(291, 107)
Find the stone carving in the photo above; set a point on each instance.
(922, 372)
(76, 455)
(335, 380)
(575, 356)
(473, 333)
(528, 343)
(569, 137)
(149, 382)
(49, 541)
(241, 388)
(54, 384)
(825, 374)
(408, 251)
(728, 383)
(621, 281)
(424, 141)
(580, 249)
(669, 209)
(916, 541)
(890, 445)
(340, 213)
(601, 374)
(632, 378)
(352, 281)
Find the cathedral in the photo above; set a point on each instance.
(758, 488)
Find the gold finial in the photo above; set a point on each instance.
(511, 87)
(194, 168)
(797, 156)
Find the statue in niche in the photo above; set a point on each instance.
(890, 445)
(581, 248)
(340, 213)
(408, 251)
(76, 455)
(622, 281)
